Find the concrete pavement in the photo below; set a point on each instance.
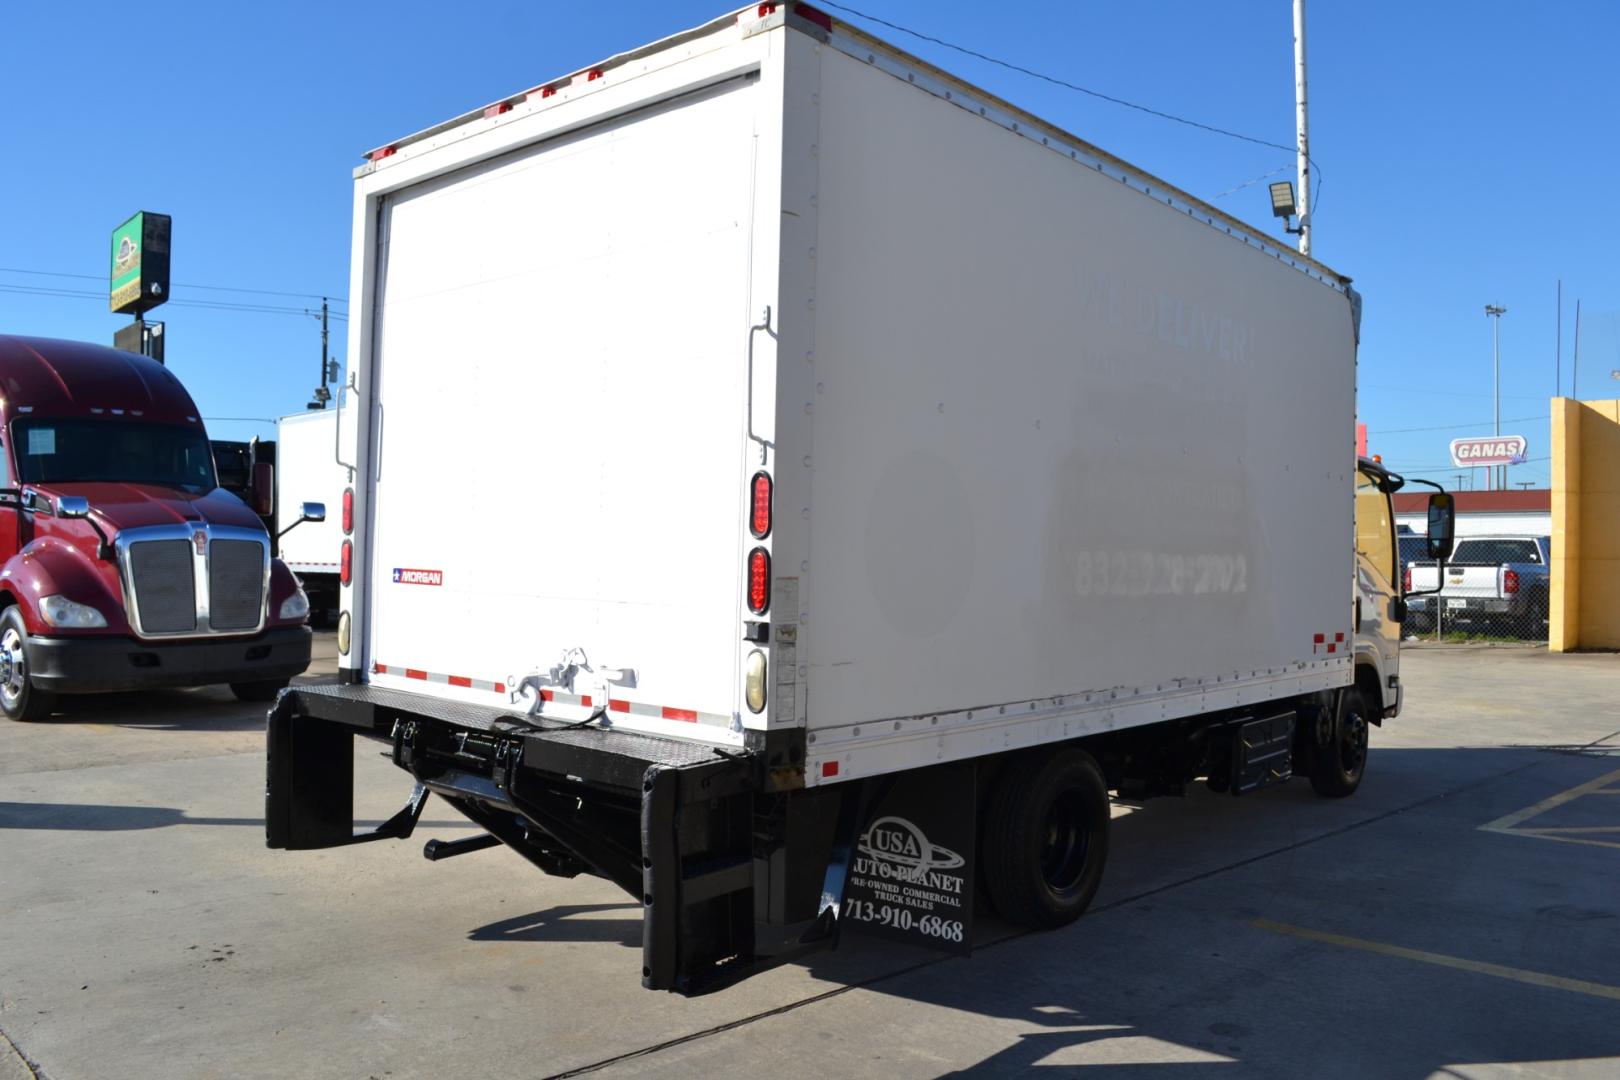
(1436, 922)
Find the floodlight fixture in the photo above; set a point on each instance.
(1282, 199)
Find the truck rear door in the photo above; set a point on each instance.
(560, 461)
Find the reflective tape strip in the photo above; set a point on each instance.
(636, 708)
(491, 686)
(558, 697)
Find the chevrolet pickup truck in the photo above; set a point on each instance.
(1490, 580)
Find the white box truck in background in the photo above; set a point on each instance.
(307, 470)
(868, 477)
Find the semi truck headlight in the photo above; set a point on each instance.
(60, 611)
(754, 681)
(295, 606)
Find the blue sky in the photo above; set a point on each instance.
(1466, 153)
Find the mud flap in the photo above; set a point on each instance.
(913, 872)
(309, 786)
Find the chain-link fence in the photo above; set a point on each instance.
(1494, 588)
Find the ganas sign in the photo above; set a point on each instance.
(1488, 450)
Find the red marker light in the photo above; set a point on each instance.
(381, 152)
(348, 511)
(497, 108)
(346, 563)
(759, 581)
(593, 74)
(548, 91)
(759, 522)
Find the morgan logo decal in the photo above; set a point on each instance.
(418, 577)
(199, 540)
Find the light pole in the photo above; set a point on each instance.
(1495, 312)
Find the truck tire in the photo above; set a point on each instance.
(19, 698)
(1045, 838)
(1338, 762)
(265, 690)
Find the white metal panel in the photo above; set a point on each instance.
(307, 471)
(1067, 440)
(1529, 523)
(560, 369)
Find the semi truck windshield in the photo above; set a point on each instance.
(112, 451)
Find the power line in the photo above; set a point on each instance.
(216, 305)
(1065, 84)
(178, 285)
(1451, 427)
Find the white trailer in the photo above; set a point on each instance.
(868, 477)
(307, 470)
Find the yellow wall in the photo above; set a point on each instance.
(1585, 607)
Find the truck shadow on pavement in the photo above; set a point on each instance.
(1390, 935)
(105, 817)
(208, 708)
(562, 923)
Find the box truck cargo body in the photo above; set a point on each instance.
(866, 476)
(308, 471)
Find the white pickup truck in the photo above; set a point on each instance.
(1490, 579)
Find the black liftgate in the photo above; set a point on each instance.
(677, 824)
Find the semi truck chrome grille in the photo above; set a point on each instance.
(162, 574)
(235, 584)
(194, 579)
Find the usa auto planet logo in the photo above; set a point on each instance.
(897, 850)
(403, 576)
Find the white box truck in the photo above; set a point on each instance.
(868, 478)
(308, 470)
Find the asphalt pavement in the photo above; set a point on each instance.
(1459, 916)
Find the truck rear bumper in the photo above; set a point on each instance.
(100, 665)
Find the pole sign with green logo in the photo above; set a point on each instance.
(140, 263)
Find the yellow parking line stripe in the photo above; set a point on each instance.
(1553, 830)
(1478, 967)
(1505, 824)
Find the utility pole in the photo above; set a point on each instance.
(322, 395)
(1495, 312)
(1575, 365)
(1301, 116)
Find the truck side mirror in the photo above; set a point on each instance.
(72, 506)
(311, 511)
(262, 494)
(1442, 526)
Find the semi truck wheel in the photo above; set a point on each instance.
(1337, 764)
(19, 698)
(1045, 838)
(259, 691)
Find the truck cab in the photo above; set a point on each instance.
(123, 564)
(1381, 587)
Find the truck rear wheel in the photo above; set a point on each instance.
(1045, 838)
(19, 698)
(265, 690)
(1338, 762)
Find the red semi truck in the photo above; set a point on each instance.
(123, 564)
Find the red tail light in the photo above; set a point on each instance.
(1510, 581)
(348, 511)
(346, 563)
(759, 581)
(1406, 580)
(759, 522)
